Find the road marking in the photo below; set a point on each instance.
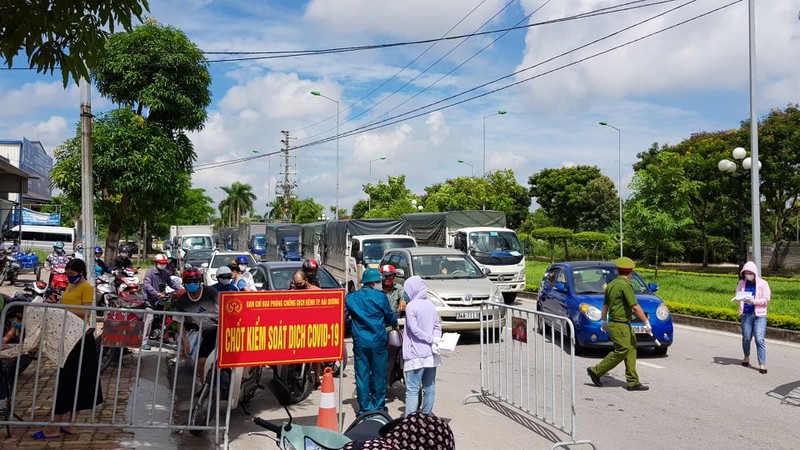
(654, 366)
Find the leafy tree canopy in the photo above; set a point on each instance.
(579, 197)
(66, 34)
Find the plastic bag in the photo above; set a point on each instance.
(395, 340)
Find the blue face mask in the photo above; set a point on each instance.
(74, 279)
(193, 287)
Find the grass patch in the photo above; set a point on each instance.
(708, 294)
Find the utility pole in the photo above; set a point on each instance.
(288, 184)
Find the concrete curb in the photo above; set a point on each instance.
(733, 327)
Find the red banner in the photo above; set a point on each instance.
(280, 327)
(122, 333)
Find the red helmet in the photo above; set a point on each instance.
(161, 259)
(388, 269)
(191, 272)
(310, 265)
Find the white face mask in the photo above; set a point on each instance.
(161, 266)
(749, 277)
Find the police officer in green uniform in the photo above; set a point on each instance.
(619, 305)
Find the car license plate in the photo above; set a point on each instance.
(468, 315)
(639, 329)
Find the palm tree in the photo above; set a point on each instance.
(239, 202)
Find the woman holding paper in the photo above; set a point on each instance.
(754, 294)
(422, 332)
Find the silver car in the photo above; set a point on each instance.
(456, 285)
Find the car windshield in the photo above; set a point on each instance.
(373, 249)
(495, 247)
(199, 255)
(593, 280)
(223, 260)
(259, 240)
(293, 247)
(442, 267)
(193, 242)
(281, 276)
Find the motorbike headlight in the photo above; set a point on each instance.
(591, 312)
(662, 312)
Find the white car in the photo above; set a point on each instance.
(219, 259)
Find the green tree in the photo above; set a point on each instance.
(306, 210)
(141, 162)
(239, 201)
(63, 34)
(579, 197)
(553, 235)
(387, 200)
(498, 191)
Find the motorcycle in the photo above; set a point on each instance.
(131, 303)
(104, 291)
(59, 280)
(10, 269)
(293, 436)
(162, 323)
(300, 378)
(244, 381)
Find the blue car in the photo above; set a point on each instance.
(575, 289)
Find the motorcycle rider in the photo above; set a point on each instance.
(242, 261)
(238, 278)
(198, 299)
(122, 261)
(78, 253)
(58, 258)
(398, 305)
(100, 266)
(224, 280)
(310, 268)
(153, 280)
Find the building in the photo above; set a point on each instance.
(27, 159)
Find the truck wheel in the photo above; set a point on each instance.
(509, 298)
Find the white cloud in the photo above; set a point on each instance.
(438, 130)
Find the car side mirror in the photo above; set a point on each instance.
(560, 286)
(359, 256)
(486, 271)
(400, 273)
(204, 265)
(653, 287)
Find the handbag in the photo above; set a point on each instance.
(395, 340)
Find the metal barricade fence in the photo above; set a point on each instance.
(528, 363)
(36, 385)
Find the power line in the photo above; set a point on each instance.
(418, 112)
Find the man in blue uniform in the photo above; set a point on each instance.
(367, 312)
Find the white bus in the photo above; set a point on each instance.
(38, 237)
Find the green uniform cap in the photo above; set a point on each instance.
(623, 262)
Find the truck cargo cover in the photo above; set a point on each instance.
(337, 231)
(431, 228)
(276, 231)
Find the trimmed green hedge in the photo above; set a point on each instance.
(710, 312)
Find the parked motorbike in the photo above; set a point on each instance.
(104, 291)
(162, 323)
(10, 268)
(131, 303)
(244, 381)
(292, 436)
(300, 378)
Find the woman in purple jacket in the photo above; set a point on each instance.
(422, 332)
(753, 313)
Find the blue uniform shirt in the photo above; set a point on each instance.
(369, 312)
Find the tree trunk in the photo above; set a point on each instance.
(145, 239)
(115, 227)
(656, 276)
(566, 251)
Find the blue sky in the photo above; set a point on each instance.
(661, 89)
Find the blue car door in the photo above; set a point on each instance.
(552, 297)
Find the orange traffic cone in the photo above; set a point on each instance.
(327, 403)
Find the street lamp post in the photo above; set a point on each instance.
(319, 94)
(498, 113)
(619, 178)
(471, 169)
(414, 204)
(754, 179)
(728, 166)
(369, 197)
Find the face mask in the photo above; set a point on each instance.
(243, 268)
(749, 277)
(224, 281)
(161, 266)
(406, 297)
(193, 287)
(74, 279)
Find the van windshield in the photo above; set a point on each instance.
(373, 249)
(445, 267)
(194, 242)
(495, 247)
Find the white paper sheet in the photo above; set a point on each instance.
(448, 342)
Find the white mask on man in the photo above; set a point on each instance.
(161, 266)
(749, 277)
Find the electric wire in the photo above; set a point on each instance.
(418, 111)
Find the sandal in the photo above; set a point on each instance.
(39, 436)
(745, 364)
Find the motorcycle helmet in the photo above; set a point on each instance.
(191, 274)
(98, 249)
(241, 260)
(388, 271)
(39, 287)
(161, 259)
(124, 249)
(58, 245)
(310, 267)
